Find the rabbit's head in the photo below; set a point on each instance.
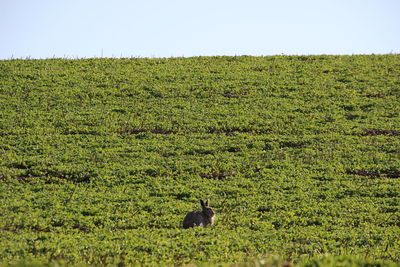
(207, 210)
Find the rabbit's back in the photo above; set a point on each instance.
(194, 218)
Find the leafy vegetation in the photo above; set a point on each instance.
(102, 158)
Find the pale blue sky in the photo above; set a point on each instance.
(165, 28)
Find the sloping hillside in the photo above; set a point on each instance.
(102, 158)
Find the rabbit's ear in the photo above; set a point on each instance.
(207, 202)
(202, 203)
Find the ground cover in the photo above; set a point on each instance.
(102, 158)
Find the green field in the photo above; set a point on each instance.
(102, 158)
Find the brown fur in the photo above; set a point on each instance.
(202, 218)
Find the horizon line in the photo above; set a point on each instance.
(68, 57)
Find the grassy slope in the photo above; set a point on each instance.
(102, 158)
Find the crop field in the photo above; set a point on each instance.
(101, 159)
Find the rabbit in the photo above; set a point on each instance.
(202, 218)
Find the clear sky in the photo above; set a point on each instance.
(166, 28)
